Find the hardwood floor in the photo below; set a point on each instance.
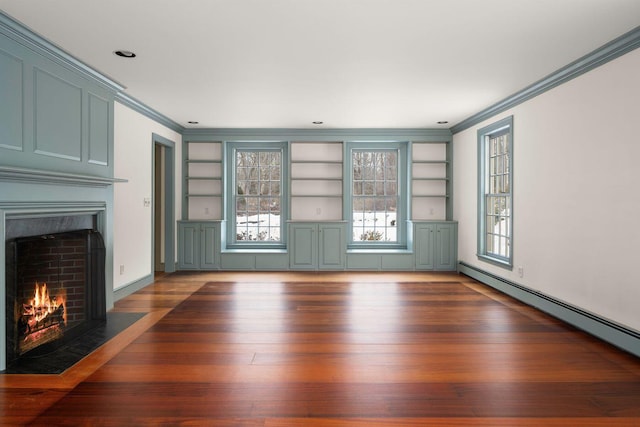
(338, 349)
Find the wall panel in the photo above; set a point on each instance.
(99, 130)
(11, 106)
(58, 117)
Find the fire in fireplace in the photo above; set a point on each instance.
(42, 319)
(55, 290)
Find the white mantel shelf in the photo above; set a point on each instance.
(13, 174)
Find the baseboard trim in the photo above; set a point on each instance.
(132, 287)
(606, 330)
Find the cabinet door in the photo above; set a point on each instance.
(189, 246)
(303, 247)
(208, 258)
(445, 248)
(331, 249)
(425, 242)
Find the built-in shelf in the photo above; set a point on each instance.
(316, 181)
(431, 181)
(202, 183)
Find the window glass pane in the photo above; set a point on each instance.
(496, 205)
(391, 188)
(357, 188)
(258, 187)
(375, 175)
(368, 188)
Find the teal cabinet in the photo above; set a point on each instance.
(198, 243)
(303, 246)
(317, 246)
(435, 245)
(331, 246)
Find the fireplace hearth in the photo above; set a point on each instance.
(55, 291)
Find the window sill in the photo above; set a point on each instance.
(496, 261)
(379, 251)
(254, 251)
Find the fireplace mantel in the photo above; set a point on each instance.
(13, 174)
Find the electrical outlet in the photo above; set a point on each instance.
(521, 272)
(206, 211)
(146, 202)
(318, 211)
(122, 269)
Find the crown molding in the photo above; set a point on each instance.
(319, 135)
(19, 33)
(610, 51)
(149, 112)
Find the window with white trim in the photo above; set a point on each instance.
(256, 184)
(495, 192)
(376, 210)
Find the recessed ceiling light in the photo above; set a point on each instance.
(443, 122)
(317, 122)
(125, 53)
(193, 122)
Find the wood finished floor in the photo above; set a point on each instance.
(340, 349)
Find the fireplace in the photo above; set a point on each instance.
(55, 284)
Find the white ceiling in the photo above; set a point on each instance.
(349, 63)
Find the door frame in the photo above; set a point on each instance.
(169, 202)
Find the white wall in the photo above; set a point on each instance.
(133, 160)
(576, 192)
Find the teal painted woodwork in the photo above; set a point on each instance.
(198, 245)
(446, 247)
(303, 244)
(58, 117)
(331, 246)
(169, 160)
(149, 112)
(485, 210)
(277, 262)
(208, 253)
(397, 261)
(605, 329)
(403, 211)
(98, 130)
(230, 150)
(317, 245)
(316, 135)
(424, 243)
(254, 261)
(363, 261)
(18, 34)
(436, 245)
(55, 115)
(238, 261)
(188, 246)
(608, 52)
(11, 106)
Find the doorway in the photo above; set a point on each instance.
(163, 206)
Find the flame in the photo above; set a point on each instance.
(42, 305)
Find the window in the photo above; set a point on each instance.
(495, 192)
(256, 188)
(376, 210)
